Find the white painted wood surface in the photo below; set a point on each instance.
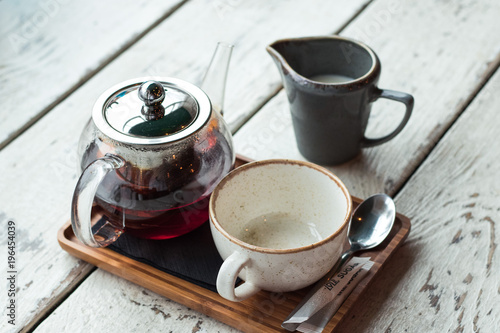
(111, 304)
(48, 48)
(39, 167)
(441, 58)
(446, 276)
(444, 279)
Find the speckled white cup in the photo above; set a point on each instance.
(312, 204)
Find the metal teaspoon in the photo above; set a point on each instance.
(370, 225)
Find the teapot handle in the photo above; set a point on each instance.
(83, 198)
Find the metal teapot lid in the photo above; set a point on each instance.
(143, 111)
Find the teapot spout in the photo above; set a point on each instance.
(214, 82)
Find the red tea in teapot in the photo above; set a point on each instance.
(159, 224)
(164, 201)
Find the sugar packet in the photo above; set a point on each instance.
(315, 314)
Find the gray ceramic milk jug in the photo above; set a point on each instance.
(331, 82)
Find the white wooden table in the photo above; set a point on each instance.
(57, 57)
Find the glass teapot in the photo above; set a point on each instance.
(151, 155)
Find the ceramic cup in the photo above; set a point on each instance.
(331, 83)
(279, 225)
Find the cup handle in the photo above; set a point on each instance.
(226, 279)
(83, 198)
(402, 97)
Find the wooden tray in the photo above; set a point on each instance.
(263, 312)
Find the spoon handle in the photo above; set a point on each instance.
(321, 283)
(340, 262)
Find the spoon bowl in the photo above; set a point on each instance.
(371, 222)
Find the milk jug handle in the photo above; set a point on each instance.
(397, 96)
(83, 198)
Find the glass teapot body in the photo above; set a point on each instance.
(150, 157)
(159, 191)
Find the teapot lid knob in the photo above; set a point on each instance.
(152, 94)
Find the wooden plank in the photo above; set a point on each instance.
(39, 167)
(445, 278)
(51, 47)
(441, 57)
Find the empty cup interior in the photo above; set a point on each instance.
(281, 205)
